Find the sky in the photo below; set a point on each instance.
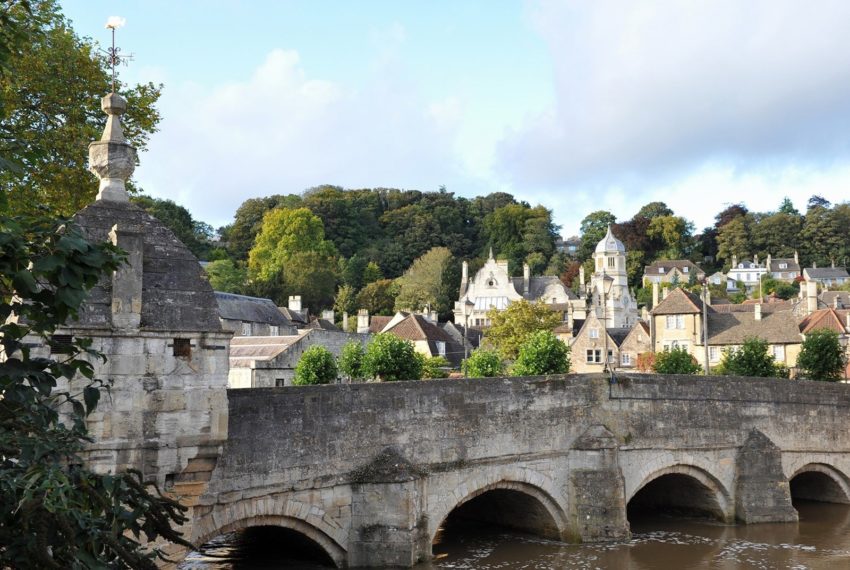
(575, 105)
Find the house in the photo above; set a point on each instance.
(717, 278)
(837, 320)
(492, 287)
(269, 361)
(294, 313)
(784, 268)
(676, 322)
(826, 276)
(569, 246)
(672, 271)
(622, 345)
(251, 316)
(747, 272)
(834, 299)
(426, 336)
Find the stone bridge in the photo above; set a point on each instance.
(370, 472)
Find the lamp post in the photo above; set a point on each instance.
(468, 306)
(607, 282)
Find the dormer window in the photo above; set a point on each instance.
(661, 270)
(684, 270)
(783, 266)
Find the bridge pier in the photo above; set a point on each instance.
(762, 492)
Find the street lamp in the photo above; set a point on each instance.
(607, 282)
(468, 306)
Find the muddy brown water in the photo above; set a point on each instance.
(821, 540)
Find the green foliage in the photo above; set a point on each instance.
(316, 366)
(194, 234)
(822, 357)
(483, 363)
(751, 359)
(593, 228)
(432, 281)
(372, 273)
(734, 239)
(675, 361)
(389, 358)
(54, 512)
(512, 327)
(248, 220)
(345, 300)
(542, 353)
(516, 232)
(50, 111)
(225, 276)
(434, 366)
(674, 232)
(351, 361)
(378, 297)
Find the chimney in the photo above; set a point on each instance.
(654, 294)
(707, 295)
(734, 261)
(294, 303)
(663, 293)
(581, 279)
(811, 297)
(767, 265)
(644, 314)
(464, 275)
(433, 316)
(345, 322)
(833, 262)
(757, 309)
(836, 303)
(328, 315)
(756, 259)
(363, 321)
(127, 279)
(796, 257)
(814, 265)
(526, 278)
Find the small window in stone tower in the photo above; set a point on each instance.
(611, 262)
(182, 347)
(61, 344)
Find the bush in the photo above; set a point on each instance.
(434, 367)
(316, 366)
(351, 361)
(542, 353)
(483, 363)
(389, 358)
(822, 356)
(676, 361)
(751, 359)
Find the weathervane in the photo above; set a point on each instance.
(113, 23)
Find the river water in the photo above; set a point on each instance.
(821, 540)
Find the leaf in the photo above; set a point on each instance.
(91, 396)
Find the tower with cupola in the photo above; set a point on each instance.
(609, 284)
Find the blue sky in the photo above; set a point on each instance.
(578, 106)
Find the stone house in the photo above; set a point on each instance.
(637, 342)
(252, 316)
(784, 268)
(269, 361)
(747, 272)
(623, 345)
(670, 271)
(428, 338)
(676, 322)
(826, 276)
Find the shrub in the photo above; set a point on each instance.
(542, 353)
(389, 358)
(822, 357)
(434, 367)
(351, 361)
(483, 363)
(676, 361)
(316, 366)
(751, 359)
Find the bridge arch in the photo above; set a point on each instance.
(820, 482)
(705, 492)
(527, 502)
(330, 546)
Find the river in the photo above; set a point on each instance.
(821, 540)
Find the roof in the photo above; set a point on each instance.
(733, 328)
(610, 243)
(417, 327)
(826, 273)
(246, 349)
(618, 335)
(323, 324)
(829, 299)
(377, 323)
(791, 265)
(750, 307)
(537, 286)
(825, 319)
(668, 264)
(176, 295)
(678, 302)
(253, 309)
(296, 317)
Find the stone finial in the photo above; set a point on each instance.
(112, 159)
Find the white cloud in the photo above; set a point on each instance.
(282, 131)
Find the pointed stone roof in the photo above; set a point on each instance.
(610, 244)
(679, 302)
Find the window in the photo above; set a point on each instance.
(612, 262)
(684, 269)
(274, 330)
(660, 270)
(783, 266)
(61, 344)
(594, 333)
(246, 329)
(626, 359)
(441, 348)
(279, 382)
(594, 356)
(779, 352)
(611, 356)
(713, 353)
(182, 347)
(675, 321)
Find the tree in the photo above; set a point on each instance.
(225, 276)
(378, 297)
(822, 356)
(432, 281)
(512, 327)
(389, 358)
(654, 210)
(196, 235)
(593, 228)
(542, 353)
(434, 366)
(751, 359)
(483, 363)
(733, 239)
(248, 220)
(316, 366)
(675, 361)
(54, 511)
(787, 207)
(345, 300)
(674, 232)
(50, 110)
(372, 273)
(351, 361)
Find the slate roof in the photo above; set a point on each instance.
(826, 273)
(377, 323)
(678, 302)
(246, 349)
(789, 261)
(298, 318)
(733, 328)
(668, 264)
(618, 335)
(251, 309)
(322, 324)
(176, 296)
(829, 298)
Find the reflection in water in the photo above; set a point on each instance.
(821, 540)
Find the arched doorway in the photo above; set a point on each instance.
(685, 493)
